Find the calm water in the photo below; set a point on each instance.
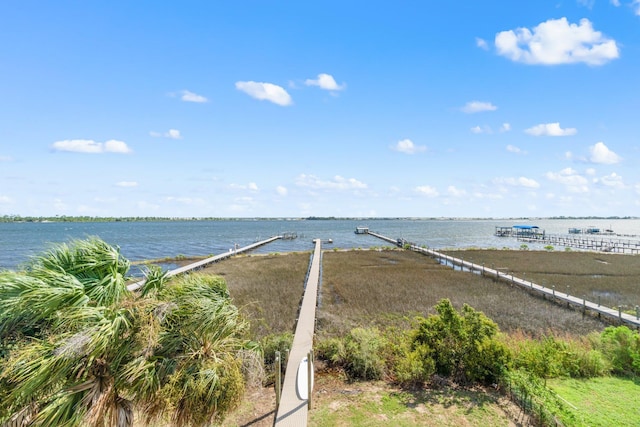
(149, 240)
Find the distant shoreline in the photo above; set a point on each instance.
(64, 218)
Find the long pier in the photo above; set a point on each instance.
(616, 316)
(293, 409)
(615, 245)
(203, 263)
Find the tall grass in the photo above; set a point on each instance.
(390, 287)
(267, 289)
(611, 279)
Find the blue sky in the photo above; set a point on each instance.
(499, 108)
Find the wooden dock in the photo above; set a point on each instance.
(293, 409)
(613, 315)
(203, 263)
(587, 242)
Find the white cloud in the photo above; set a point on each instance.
(5, 200)
(550, 129)
(637, 187)
(514, 149)
(187, 96)
(556, 41)
(600, 153)
(127, 184)
(616, 3)
(90, 146)
(506, 127)
(613, 180)
(590, 171)
(326, 82)
(518, 182)
(635, 4)
(408, 147)
(571, 179)
(252, 186)
(427, 190)
(455, 192)
(265, 92)
(171, 134)
(477, 107)
(338, 183)
(481, 129)
(482, 43)
(282, 191)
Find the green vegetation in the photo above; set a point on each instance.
(78, 348)
(374, 303)
(466, 348)
(608, 279)
(599, 402)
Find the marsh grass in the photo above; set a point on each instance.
(611, 279)
(266, 288)
(390, 287)
(383, 288)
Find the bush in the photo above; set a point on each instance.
(272, 344)
(621, 346)
(463, 346)
(551, 357)
(360, 353)
(414, 367)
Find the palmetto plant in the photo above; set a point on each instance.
(78, 348)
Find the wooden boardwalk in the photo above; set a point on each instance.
(203, 263)
(293, 410)
(593, 242)
(616, 316)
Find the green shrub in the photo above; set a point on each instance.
(551, 357)
(360, 353)
(414, 367)
(621, 346)
(462, 345)
(273, 343)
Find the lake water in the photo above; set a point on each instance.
(151, 240)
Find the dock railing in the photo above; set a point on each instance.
(613, 315)
(617, 316)
(203, 263)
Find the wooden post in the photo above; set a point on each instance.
(620, 312)
(278, 380)
(553, 290)
(310, 377)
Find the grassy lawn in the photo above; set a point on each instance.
(601, 401)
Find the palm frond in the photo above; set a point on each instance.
(155, 279)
